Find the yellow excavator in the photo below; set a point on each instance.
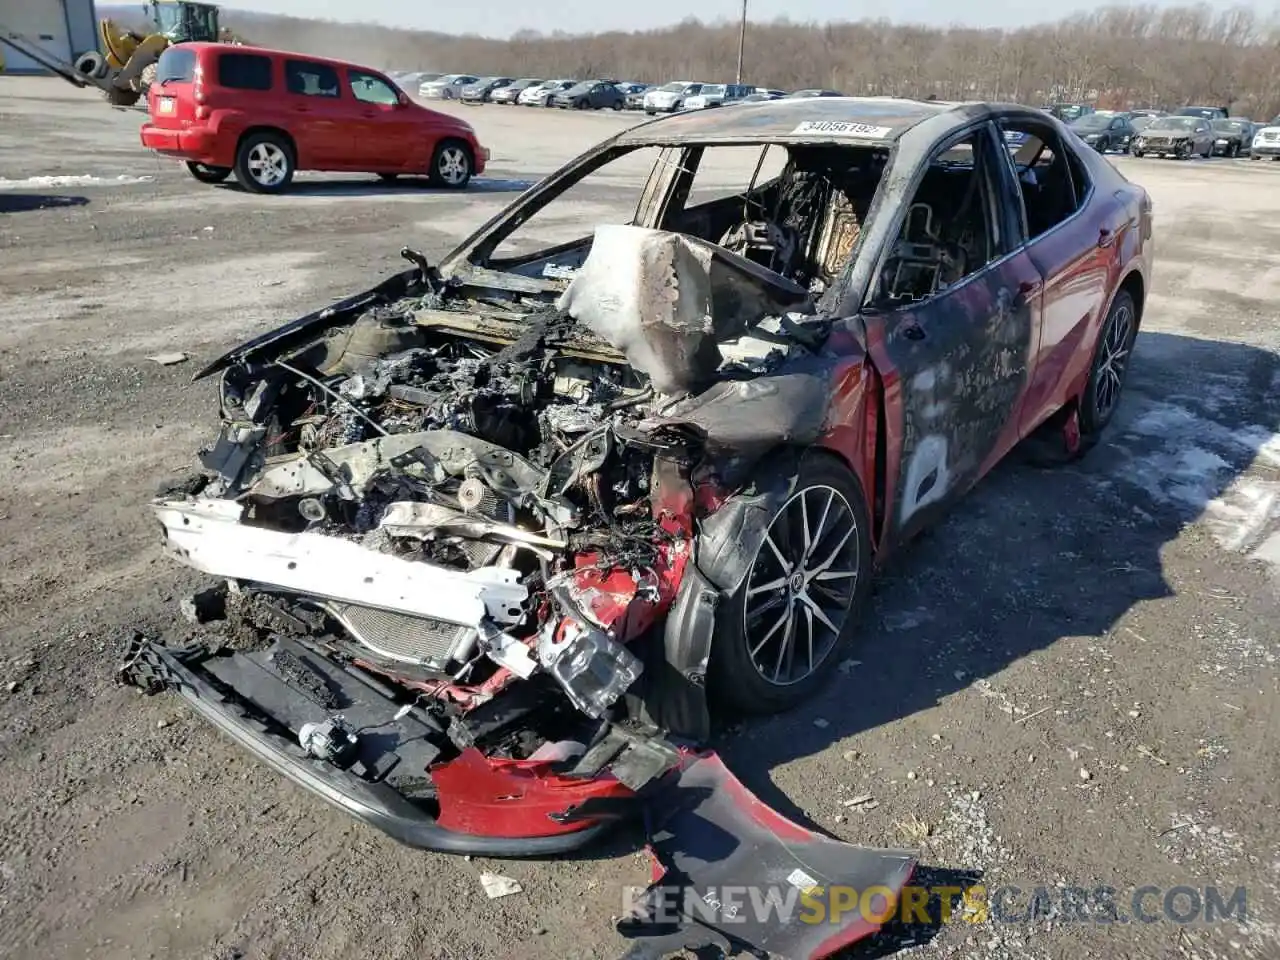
(126, 64)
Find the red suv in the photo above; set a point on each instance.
(263, 114)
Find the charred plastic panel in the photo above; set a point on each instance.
(716, 844)
(666, 301)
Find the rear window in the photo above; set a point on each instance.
(244, 71)
(176, 64)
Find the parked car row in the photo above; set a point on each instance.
(595, 94)
(1189, 132)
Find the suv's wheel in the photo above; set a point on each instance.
(451, 164)
(778, 636)
(207, 174)
(265, 162)
(1110, 366)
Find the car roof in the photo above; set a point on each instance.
(199, 46)
(780, 120)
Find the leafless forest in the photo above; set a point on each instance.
(1118, 56)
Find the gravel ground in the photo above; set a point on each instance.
(1071, 681)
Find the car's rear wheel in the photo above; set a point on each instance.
(1110, 367)
(207, 174)
(780, 633)
(617, 104)
(451, 164)
(265, 162)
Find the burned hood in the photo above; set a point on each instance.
(666, 301)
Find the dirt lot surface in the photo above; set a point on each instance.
(1072, 681)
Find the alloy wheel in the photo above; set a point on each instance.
(268, 164)
(1113, 360)
(453, 165)
(801, 585)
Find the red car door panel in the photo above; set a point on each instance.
(386, 125)
(954, 369)
(1075, 251)
(1077, 260)
(315, 111)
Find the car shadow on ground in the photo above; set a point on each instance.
(1034, 555)
(414, 186)
(26, 202)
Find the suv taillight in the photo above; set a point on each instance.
(197, 93)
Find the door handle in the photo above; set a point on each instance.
(1028, 287)
(301, 109)
(912, 330)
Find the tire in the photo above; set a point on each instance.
(1139, 153)
(832, 501)
(207, 174)
(1110, 367)
(92, 64)
(617, 104)
(265, 162)
(451, 164)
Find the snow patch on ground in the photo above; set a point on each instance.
(1206, 469)
(79, 180)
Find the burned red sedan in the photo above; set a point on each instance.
(496, 532)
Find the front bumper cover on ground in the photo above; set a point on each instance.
(711, 838)
(546, 820)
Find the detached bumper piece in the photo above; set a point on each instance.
(389, 777)
(733, 874)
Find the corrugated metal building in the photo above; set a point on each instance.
(63, 27)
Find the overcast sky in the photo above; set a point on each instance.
(500, 18)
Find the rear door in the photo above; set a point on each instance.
(389, 133)
(1071, 229)
(318, 114)
(951, 326)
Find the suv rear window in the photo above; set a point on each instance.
(176, 64)
(244, 71)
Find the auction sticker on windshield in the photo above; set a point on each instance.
(841, 128)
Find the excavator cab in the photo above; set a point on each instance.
(181, 21)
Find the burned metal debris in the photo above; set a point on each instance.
(432, 508)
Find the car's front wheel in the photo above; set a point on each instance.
(451, 164)
(1110, 367)
(778, 637)
(265, 162)
(207, 174)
